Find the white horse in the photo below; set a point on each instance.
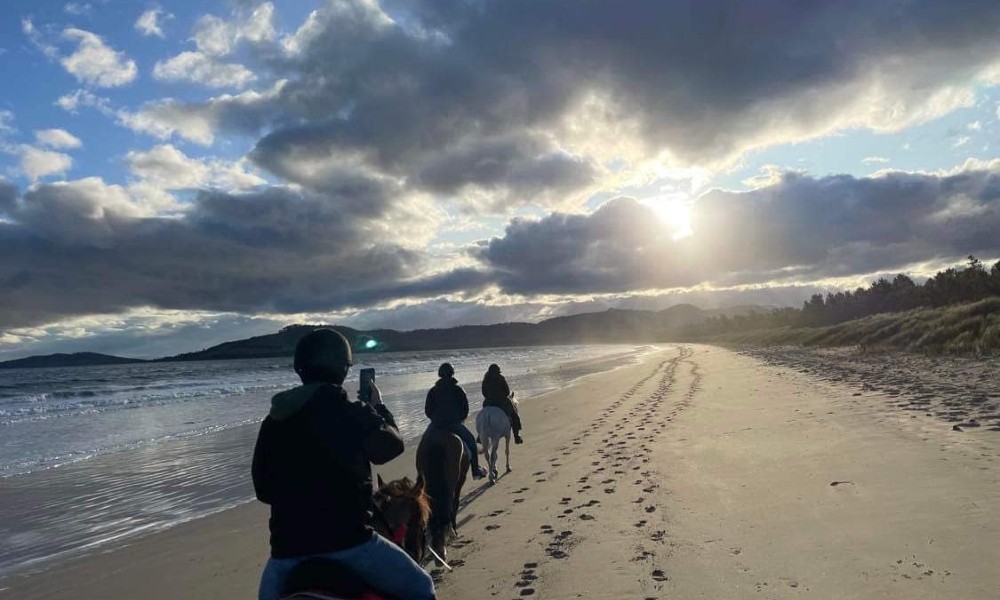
(493, 425)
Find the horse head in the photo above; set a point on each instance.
(403, 510)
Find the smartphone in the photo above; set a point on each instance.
(365, 384)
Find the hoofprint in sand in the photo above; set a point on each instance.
(698, 473)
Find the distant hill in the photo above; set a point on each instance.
(78, 359)
(611, 326)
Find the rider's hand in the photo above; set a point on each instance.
(376, 396)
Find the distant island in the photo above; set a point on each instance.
(608, 327)
(78, 359)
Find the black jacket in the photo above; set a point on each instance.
(446, 402)
(312, 465)
(497, 393)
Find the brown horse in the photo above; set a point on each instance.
(402, 511)
(442, 462)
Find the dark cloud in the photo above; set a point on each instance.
(519, 164)
(623, 245)
(8, 197)
(453, 94)
(842, 225)
(800, 228)
(73, 249)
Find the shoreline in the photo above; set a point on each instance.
(97, 465)
(697, 472)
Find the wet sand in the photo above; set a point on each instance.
(699, 473)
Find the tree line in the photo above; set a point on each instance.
(970, 283)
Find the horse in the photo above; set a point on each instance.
(402, 513)
(442, 463)
(493, 424)
(402, 510)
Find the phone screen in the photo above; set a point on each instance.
(365, 384)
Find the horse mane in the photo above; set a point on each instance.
(406, 488)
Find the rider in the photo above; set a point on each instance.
(311, 464)
(447, 407)
(497, 393)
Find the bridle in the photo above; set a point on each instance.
(397, 535)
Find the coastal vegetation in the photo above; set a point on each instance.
(955, 311)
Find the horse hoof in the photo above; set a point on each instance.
(509, 469)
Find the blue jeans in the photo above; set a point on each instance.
(463, 432)
(382, 564)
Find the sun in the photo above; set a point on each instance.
(675, 212)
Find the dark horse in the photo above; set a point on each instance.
(402, 513)
(442, 462)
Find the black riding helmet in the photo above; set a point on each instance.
(446, 370)
(323, 355)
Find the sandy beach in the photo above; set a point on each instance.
(698, 473)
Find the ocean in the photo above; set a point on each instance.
(92, 455)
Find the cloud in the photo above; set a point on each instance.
(166, 167)
(245, 113)
(800, 229)
(37, 163)
(273, 249)
(501, 104)
(96, 63)
(37, 40)
(71, 103)
(874, 160)
(140, 333)
(199, 68)
(6, 118)
(215, 36)
(57, 138)
(78, 9)
(8, 197)
(148, 23)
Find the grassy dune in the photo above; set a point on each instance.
(972, 328)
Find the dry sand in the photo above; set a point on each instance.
(699, 473)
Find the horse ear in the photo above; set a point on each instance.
(380, 482)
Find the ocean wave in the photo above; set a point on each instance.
(55, 405)
(26, 466)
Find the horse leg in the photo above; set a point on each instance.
(494, 447)
(507, 449)
(463, 470)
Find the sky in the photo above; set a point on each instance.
(178, 174)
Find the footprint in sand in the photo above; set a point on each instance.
(518, 500)
(660, 575)
(492, 527)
